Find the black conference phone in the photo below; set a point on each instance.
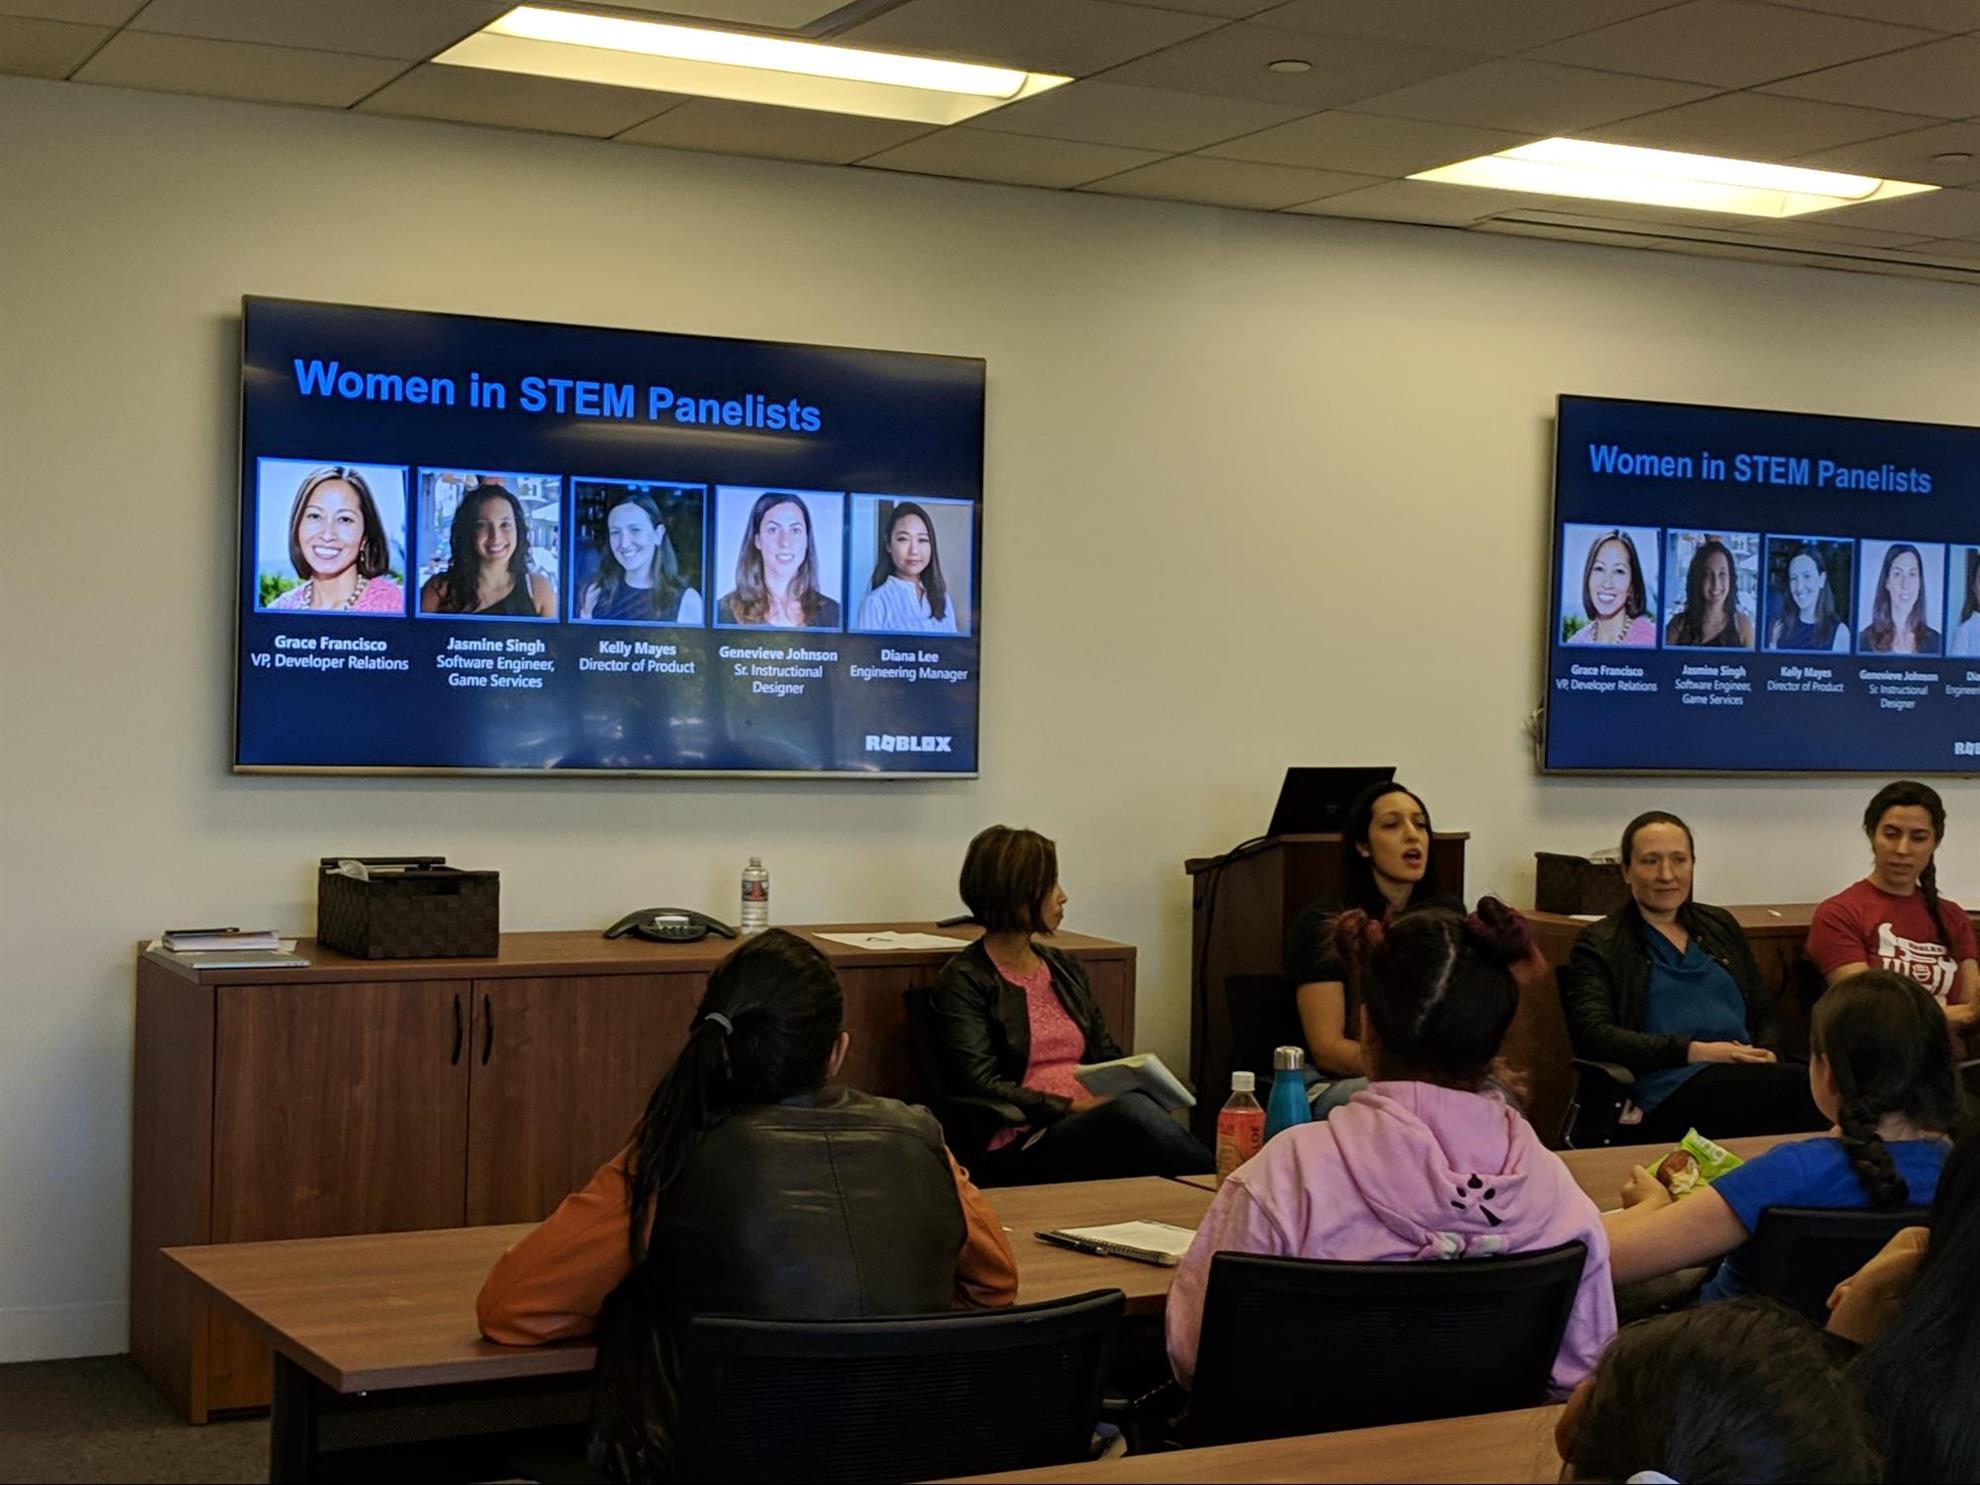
(665, 925)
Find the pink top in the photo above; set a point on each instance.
(1641, 634)
(1404, 1172)
(1057, 1044)
(380, 596)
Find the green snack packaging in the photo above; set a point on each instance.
(1695, 1162)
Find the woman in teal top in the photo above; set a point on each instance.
(1690, 994)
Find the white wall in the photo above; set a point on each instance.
(1262, 490)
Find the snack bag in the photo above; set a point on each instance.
(1695, 1162)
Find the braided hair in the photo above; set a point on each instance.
(764, 1030)
(1438, 987)
(1909, 793)
(1884, 1039)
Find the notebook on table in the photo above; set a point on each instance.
(1145, 1242)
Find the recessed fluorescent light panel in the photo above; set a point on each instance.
(702, 63)
(1615, 172)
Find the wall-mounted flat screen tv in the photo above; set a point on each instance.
(1737, 591)
(475, 544)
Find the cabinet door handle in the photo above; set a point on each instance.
(454, 1058)
(487, 1029)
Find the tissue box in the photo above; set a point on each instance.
(409, 908)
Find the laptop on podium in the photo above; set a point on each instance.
(1314, 801)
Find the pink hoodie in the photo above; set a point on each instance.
(1405, 1171)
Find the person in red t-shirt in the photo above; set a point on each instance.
(1895, 919)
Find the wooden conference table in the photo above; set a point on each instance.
(391, 1315)
(1494, 1446)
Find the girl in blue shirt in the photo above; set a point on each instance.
(1882, 1070)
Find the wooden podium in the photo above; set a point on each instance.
(1240, 908)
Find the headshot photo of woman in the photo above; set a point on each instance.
(341, 548)
(644, 547)
(1963, 603)
(1902, 597)
(1721, 581)
(1808, 587)
(1607, 593)
(787, 555)
(915, 556)
(497, 540)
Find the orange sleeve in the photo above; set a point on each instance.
(986, 1268)
(552, 1284)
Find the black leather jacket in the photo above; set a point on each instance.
(1607, 978)
(833, 1205)
(983, 1029)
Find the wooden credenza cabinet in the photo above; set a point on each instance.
(387, 1096)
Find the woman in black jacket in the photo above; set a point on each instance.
(1667, 988)
(1013, 1018)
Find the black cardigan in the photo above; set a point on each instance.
(983, 1029)
(1607, 978)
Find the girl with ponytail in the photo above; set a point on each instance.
(752, 1185)
(1431, 1161)
(1882, 1071)
(1895, 919)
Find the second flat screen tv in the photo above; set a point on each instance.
(1740, 591)
(479, 544)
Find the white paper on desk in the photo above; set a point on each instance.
(893, 940)
(1164, 1238)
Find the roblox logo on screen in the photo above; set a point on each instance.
(895, 742)
(1960, 749)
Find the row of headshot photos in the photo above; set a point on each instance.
(1684, 588)
(333, 538)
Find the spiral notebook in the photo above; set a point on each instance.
(1145, 1242)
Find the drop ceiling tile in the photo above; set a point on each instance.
(1532, 97)
(1012, 159)
(724, 128)
(1232, 62)
(54, 49)
(1730, 43)
(1496, 30)
(1815, 228)
(1950, 213)
(1909, 156)
(1755, 126)
(1368, 143)
(74, 12)
(1933, 15)
(1077, 37)
(234, 69)
(473, 95)
(1941, 78)
(372, 28)
(1594, 237)
(1240, 183)
(1432, 203)
(1139, 118)
(1230, 10)
(781, 15)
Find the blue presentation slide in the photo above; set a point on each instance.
(1737, 591)
(484, 544)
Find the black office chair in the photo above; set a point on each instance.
(919, 1398)
(1594, 1115)
(1415, 1340)
(968, 1123)
(1799, 1254)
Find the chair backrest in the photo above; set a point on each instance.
(916, 1398)
(1799, 1254)
(1296, 1346)
(1263, 1015)
(921, 1043)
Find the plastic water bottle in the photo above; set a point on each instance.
(1287, 1105)
(755, 897)
(1240, 1126)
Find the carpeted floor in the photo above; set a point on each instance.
(98, 1419)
